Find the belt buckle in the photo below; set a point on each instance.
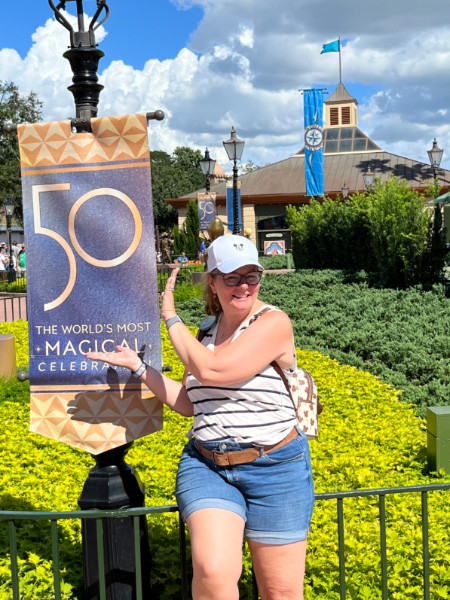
(218, 453)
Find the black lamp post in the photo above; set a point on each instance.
(234, 148)
(207, 165)
(368, 177)
(435, 156)
(9, 211)
(112, 483)
(345, 190)
(84, 57)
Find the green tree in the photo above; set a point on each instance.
(387, 232)
(400, 228)
(14, 108)
(436, 251)
(173, 176)
(162, 188)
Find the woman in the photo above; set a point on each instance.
(246, 469)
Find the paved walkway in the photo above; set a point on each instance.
(12, 307)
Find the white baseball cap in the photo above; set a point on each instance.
(230, 252)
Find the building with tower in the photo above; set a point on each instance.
(348, 154)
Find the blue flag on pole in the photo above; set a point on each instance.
(313, 116)
(331, 47)
(230, 215)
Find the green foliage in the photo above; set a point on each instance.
(436, 253)
(19, 329)
(190, 229)
(367, 439)
(331, 234)
(18, 286)
(386, 232)
(161, 168)
(14, 108)
(399, 232)
(278, 261)
(186, 291)
(173, 176)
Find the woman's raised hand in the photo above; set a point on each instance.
(124, 357)
(168, 304)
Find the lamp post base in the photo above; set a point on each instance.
(12, 275)
(113, 484)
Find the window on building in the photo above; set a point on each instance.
(346, 115)
(334, 116)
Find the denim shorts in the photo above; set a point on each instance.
(273, 494)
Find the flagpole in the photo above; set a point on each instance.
(340, 63)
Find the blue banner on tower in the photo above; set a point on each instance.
(230, 215)
(313, 116)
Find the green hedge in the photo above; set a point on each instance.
(386, 231)
(278, 261)
(367, 440)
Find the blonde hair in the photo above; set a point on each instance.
(212, 303)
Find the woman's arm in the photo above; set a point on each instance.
(269, 338)
(170, 392)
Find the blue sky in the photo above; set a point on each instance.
(137, 29)
(211, 64)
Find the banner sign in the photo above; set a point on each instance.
(91, 279)
(273, 247)
(313, 117)
(230, 214)
(206, 209)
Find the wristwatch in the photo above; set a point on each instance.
(140, 370)
(172, 321)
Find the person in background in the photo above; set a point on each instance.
(22, 260)
(246, 469)
(201, 251)
(4, 261)
(15, 247)
(182, 259)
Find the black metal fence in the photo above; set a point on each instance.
(10, 519)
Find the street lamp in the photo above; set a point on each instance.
(9, 211)
(368, 177)
(84, 57)
(234, 148)
(207, 165)
(435, 156)
(345, 190)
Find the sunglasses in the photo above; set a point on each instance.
(234, 279)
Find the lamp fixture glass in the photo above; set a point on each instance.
(345, 190)
(368, 177)
(9, 207)
(234, 147)
(435, 155)
(207, 164)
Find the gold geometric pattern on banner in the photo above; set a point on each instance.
(112, 139)
(95, 421)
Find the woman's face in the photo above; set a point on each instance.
(239, 296)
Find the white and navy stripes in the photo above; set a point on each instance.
(257, 411)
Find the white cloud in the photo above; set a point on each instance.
(248, 59)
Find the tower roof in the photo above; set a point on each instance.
(340, 94)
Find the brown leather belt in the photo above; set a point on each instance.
(239, 457)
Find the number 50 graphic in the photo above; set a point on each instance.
(60, 187)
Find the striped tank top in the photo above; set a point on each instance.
(255, 411)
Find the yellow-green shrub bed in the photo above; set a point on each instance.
(368, 439)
